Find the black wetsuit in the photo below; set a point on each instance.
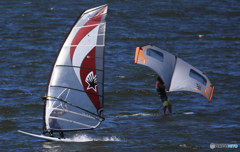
(53, 123)
(163, 95)
(44, 130)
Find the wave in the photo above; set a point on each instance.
(136, 114)
(86, 138)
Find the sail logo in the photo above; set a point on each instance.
(199, 87)
(91, 81)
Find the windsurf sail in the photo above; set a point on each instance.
(75, 90)
(177, 74)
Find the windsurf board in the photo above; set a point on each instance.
(41, 136)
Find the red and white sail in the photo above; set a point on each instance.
(75, 88)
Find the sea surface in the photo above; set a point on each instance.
(204, 33)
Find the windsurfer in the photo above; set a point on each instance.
(52, 122)
(160, 86)
(60, 133)
(44, 124)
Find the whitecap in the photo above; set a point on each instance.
(121, 76)
(136, 114)
(85, 138)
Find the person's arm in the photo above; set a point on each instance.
(44, 99)
(164, 85)
(157, 88)
(161, 85)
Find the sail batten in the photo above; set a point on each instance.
(59, 104)
(84, 115)
(57, 118)
(177, 74)
(82, 45)
(96, 34)
(75, 87)
(80, 67)
(77, 27)
(77, 90)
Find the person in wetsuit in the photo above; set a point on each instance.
(44, 124)
(160, 86)
(52, 122)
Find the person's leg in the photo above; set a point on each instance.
(164, 110)
(51, 133)
(44, 130)
(170, 108)
(61, 134)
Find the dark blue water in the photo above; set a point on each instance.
(203, 33)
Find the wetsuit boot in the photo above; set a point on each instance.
(51, 133)
(61, 134)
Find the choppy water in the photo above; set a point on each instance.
(203, 33)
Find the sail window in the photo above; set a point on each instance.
(155, 54)
(195, 75)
